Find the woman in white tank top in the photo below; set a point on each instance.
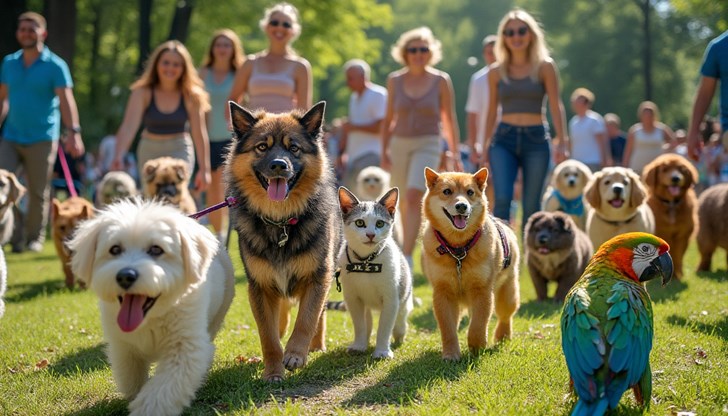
(647, 139)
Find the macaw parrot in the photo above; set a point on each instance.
(606, 324)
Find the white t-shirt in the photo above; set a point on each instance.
(583, 133)
(365, 109)
(478, 92)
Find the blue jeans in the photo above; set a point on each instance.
(527, 147)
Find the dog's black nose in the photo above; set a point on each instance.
(543, 238)
(278, 165)
(168, 189)
(126, 277)
(572, 182)
(461, 207)
(675, 179)
(618, 189)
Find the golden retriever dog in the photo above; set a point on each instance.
(470, 258)
(164, 286)
(617, 197)
(713, 224)
(115, 185)
(65, 217)
(168, 179)
(670, 180)
(371, 183)
(566, 191)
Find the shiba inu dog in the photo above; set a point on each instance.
(470, 258)
(65, 216)
(289, 227)
(168, 179)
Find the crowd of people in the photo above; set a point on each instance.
(404, 126)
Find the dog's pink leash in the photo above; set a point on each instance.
(228, 202)
(66, 171)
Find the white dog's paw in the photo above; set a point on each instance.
(356, 348)
(293, 361)
(145, 405)
(378, 354)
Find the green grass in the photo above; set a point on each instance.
(524, 376)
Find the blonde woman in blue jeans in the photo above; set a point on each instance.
(521, 78)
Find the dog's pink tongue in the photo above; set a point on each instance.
(460, 221)
(674, 190)
(277, 189)
(616, 203)
(131, 313)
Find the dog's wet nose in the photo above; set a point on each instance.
(461, 207)
(618, 189)
(543, 238)
(675, 179)
(572, 182)
(167, 190)
(126, 277)
(278, 165)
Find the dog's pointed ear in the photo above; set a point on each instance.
(591, 192)
(83, 245)
(16, 189)
(241, 119)
(87, 212)
(55, 207)
(199, 247)
(481, 178)
(314, 119)
(431, 177)
(649, 174)
(149, 168)
(639, 192)
(347, 200)
(389, 200)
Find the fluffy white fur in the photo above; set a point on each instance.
(618, 200)
(3, 281)
(569, 179)
(371, 183)
(10, 193)
(179, 262)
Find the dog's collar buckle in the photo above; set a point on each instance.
(283, 225)
(458, 253)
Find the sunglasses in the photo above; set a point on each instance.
(421, 49)
(276, 23)
(509, 33)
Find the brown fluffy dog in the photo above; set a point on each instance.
(556, 250)
(289, 227)
(670, 180)
(168, 179)
(65, 216)
(465, 255)
(713, 223)
(617, 198)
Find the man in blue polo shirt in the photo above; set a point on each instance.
(35, 96)
(713, 70)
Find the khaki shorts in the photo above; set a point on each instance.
(410, 156)
(179, 147)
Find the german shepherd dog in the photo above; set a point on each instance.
(288, 224)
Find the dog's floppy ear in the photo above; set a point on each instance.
(692, 173)
(313, 119)
(564, 220)
(639, 192)
(83, 245)
(150, 167)
(481, 176)
(389, 200)
(180, 169)
(584, 169)
(347, 200)
(199, 247)
(431, 177)
(16, 189)
(649, 174)
(591, 192)
(242, 120)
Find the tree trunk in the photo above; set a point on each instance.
(61, 18)
(181, 21)
(145, 32)
(647, 53)
(9, 24)
(97, 10)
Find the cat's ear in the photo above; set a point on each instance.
(347, 200)
(389, 200)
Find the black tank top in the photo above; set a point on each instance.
(157, 122)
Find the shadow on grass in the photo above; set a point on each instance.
(536, 309)
(419, 279)
(424, 319)
(718, 275)
(29, 291)
(717, 329)
(107, 407)
(404, 381)
(82, 361)
(670, 292)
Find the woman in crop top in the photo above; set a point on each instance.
(519, 80)
(647, 139)
(166, 99)
(276, 79)
(223, 58)
(420, 110)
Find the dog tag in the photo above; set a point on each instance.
(283, 238)
(364, 267)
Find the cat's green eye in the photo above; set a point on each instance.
(360, 223)
(380, 223)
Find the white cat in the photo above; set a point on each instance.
(374, 272)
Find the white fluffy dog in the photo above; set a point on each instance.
(566, 191)
(371, 183)
(164, 287)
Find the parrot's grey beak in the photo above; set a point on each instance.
(659, 267)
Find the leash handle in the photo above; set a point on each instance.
(66, 171)
(228, 202)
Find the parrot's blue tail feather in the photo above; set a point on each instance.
(596, 408)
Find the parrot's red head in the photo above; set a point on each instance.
(638, 256)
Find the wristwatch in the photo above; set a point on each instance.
(74, 129)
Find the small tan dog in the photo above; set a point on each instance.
(470, 258)
(164, 286)
(670, 180)
(114, 186)
(617, 197)
(65, 217)
(168, 179)
(566, 191)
